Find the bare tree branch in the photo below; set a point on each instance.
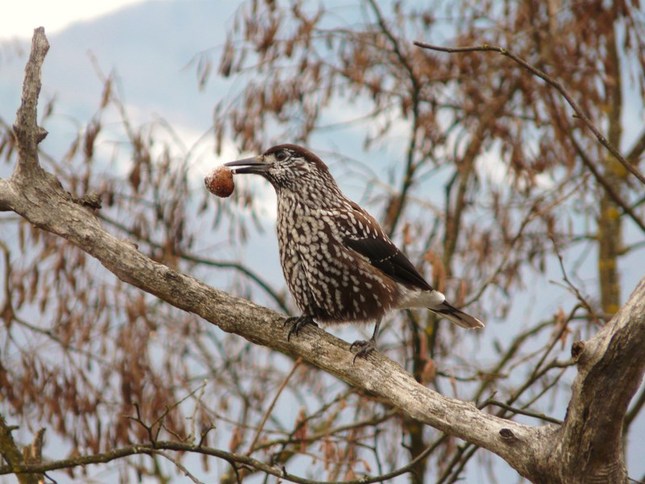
(637, 149)
(606, 185)
(553, 83)
(521, 411)
(152, 448)
(396, 206)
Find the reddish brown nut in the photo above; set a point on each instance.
(220, 182)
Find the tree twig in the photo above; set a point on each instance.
(177, 464)
(607, 186)
(268, 411)
(520, 411)
(553, 83)
(393, 216)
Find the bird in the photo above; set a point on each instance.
(339, 264)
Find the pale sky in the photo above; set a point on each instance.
(22, 17)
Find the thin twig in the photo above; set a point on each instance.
(159, 421)
(634, 411)
(570, 285)
(553, 83)
(528, 413)
(371, 422)
(534, 211)
(613, 194)
(148, 449)
(269, 410)
(557, 337)
(237, 459)
(177, 464)
(415, 92)
(402, 470)
(468, 452)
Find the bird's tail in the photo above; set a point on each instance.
(456, 316)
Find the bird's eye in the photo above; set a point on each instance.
(281, 155)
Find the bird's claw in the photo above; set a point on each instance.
(364, 348)
(297, 323)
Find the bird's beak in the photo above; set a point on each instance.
(248, 165)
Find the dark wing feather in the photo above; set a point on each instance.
(382, 253)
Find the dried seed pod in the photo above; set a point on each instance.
(220, 182)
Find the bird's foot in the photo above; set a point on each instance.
(297, 323)
(364, 348)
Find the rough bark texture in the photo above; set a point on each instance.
(610, 369)
(586, 448)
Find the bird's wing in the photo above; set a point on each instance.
(365, 236)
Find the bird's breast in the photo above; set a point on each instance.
(327, 279)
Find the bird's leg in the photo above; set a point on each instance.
(297, 323)
(366, 347)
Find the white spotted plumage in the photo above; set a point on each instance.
(338, 262)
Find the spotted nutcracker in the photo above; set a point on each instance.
(339, 264)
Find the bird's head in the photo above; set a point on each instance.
(288, 167)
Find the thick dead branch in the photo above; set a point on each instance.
(610, 371)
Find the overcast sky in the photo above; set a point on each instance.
(22, 17)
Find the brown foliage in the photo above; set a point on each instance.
(490, 181)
